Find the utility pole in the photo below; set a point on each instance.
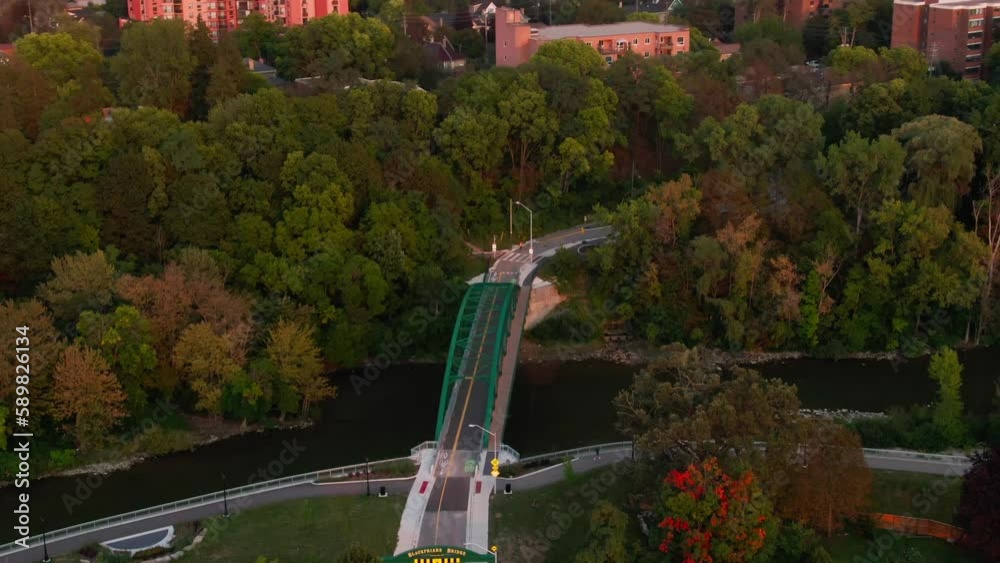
(510, 214)
(31, 19)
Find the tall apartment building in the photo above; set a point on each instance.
(517, 40)
(959, 32)
(226, 14)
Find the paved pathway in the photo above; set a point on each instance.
(236, 505)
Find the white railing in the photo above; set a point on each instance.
(427, 445)
(611, 447)
(510, 451)
(210, 498)
(909, 454)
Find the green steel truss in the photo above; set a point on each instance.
(478, 342)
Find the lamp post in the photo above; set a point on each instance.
(531, 232)
(496, 452)
(225, 497)
(492, 551)
(368, 484)
(45, 544)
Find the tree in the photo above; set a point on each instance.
(85, 390)
(80, 282)
(858, 64)
(940, 158)
(709, 516)
(824, 481)
(59, 56)
(125, 341)
(333, 43)
(677, 207)
(986, 213)
(258, 37)
(902, 62)
(154, 66)
(203, 50)
(863, 172)
(228, 74)
(24, 94)
(570, 54)
(608, 537)
(682, 406)
(532, 126)
(297, 362)
(946, 370)
(595, 12)
(358, 554)
(46, 348)
(204, 358)
(977, 508)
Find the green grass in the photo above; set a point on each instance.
(304, 531)
(916, 494)
(850, 549)
(521, 520)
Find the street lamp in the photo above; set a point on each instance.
(45, 545)
(225, 497)
(496, 452)
(492, 551)
(531, 232)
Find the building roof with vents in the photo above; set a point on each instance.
(584, 30)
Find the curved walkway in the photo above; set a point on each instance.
(583, 459)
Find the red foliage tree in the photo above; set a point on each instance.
(979, 507)
(710, 516)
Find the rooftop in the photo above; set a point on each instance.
(584, 30)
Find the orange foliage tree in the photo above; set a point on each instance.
(712, 517)
(85, 390)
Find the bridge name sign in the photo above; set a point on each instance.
(439, 554)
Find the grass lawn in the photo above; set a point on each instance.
(305, 531)
(522, 520)
(850, 549)
(916, 494)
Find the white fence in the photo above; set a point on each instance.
(203, 500)
(610, 447)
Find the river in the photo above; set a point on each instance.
(555, 406)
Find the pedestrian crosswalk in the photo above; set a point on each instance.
(511, 256)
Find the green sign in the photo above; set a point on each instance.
(470, 466)
(439, 554)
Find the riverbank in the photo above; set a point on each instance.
(636, 353)
(152, 441)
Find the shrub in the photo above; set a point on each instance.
(61, 459)
(877, 432)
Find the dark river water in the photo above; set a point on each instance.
(555, 406)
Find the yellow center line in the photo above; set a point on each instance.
(461, 420)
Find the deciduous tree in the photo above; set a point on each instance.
(296, 359)
(80, 282)
(86, 392)
(154, 66)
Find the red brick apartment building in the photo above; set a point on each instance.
(959, 32)
(226, 14)
(517, 40)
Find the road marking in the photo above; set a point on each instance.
(461, 420)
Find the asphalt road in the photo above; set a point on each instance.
(236, 506)
(509, 262)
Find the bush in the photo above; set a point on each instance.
(877, 432)
(794, 541)
(160, 440)
(564, 324)
(61, 459)
(150, 553)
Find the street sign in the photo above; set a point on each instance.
(495, 473)
(470, 466)
(495, 463)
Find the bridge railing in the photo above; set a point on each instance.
(908, 454)
(425, 445)
(610, 447)
(201, 500)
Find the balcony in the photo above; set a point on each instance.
(612, 49)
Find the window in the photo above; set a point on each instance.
(975, 46)
(972, 70)
(505, 57)
(607, 59)
(635, 40)
(505, 44)
(680, 40)
(975, 12)
(588, 44)
(978, 22)
(973, 58)
(647, 41)
(645, 55)
(976, 35)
